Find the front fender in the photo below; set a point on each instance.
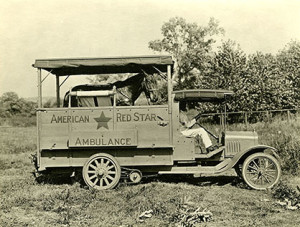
(242, 155)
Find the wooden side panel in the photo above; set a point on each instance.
(54, 129)
(110, 138)
(125, 157)
(57, 125)
(184, 148)
(94, 119)
(151, 123)
(139, 135)
(175, 119)
(146, 126)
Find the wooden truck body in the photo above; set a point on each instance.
(106, 139)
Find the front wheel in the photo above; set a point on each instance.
(261, 171)
(101, 171)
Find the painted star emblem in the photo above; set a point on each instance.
(102, 121)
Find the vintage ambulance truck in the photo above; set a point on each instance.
(105, 140)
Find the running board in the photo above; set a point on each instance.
(198, 169)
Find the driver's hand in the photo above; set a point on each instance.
(191, 123)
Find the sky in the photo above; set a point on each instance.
(39, 29)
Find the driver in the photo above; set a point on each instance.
(189, 129)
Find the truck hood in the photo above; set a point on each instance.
(236, 141)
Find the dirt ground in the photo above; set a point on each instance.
(63, 202)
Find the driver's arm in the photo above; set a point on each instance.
(191, 123)
(185, 122)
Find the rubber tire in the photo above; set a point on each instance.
(255, 155)
(112, 160)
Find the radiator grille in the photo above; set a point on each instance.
(233, 147)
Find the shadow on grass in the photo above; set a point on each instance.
(53, 179)
(58, 179)
(205, 181)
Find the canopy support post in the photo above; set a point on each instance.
(38, 124)
(57, 92)
(114, 107)
(170, 90)
(46, 76)
(39, 88)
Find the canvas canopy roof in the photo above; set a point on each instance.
(202, 95)
(83, 66)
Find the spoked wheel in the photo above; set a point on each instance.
(261, 171)
(101, 171)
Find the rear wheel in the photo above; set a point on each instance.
(101, 171)
(261, 171)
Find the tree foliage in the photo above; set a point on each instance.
(260, 81)
(289, 67)
(11, 104)
(226, 70)
(188, 43)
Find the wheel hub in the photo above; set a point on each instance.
(261, 171)
(101, 172)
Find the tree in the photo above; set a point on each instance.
(226, 70)
(189, 44)
(11, 104)
(260, 82)
(226, 67)
(289, 65)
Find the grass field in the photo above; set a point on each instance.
(60, 202)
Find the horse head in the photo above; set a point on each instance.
(149, 87)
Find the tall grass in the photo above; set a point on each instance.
(285, 137)
(24, 202)
(16, 147)
(17, 140)
(278, 133)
